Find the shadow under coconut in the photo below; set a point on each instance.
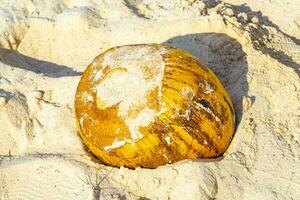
(18, 60)
(225, 56)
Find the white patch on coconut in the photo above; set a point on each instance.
(208, 88)
(168, 139)
(115, 144)
(130, 87)
(87, 97)
(82, 118)
(144, 118)
(118, 143)
(187, 92)
(98, 75)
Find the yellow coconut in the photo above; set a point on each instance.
(147, 105)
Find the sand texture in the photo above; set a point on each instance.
(252, 46)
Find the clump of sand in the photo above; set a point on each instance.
(45, 45)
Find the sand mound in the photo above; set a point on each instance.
(44, 47)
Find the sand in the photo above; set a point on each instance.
(252, 46)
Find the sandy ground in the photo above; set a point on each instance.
(253, 46)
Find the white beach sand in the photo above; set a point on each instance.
(253, 46)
